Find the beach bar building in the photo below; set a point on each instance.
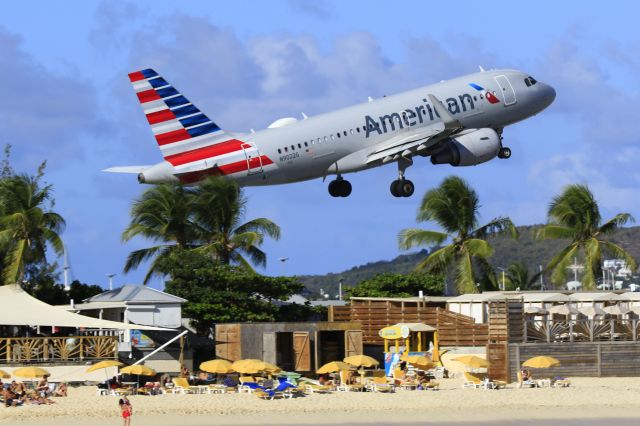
(293, 346)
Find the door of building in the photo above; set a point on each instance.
(301, 351)
(352, 342)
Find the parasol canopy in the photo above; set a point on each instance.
(104, 364)
(541, 362)
(565, 310)
(361, 361)
(31, 372)
(139, 370)
(254, 366)
(4, 375)
(334, 366)
(472, 361)
(616, 310)
(218, 366)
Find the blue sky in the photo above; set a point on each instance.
(66, 98)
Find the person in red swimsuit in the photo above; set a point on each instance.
(126, 410)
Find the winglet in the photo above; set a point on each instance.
(447, 119)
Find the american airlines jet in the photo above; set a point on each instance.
(459, 122)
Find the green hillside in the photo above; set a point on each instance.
(525, 249)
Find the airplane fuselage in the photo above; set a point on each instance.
(457, 122)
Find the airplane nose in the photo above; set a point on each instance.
(549, 94)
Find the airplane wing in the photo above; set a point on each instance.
(418, 140)
(126, 169)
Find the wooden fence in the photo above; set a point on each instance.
(595, 359)
(453, 329)
(51, 349)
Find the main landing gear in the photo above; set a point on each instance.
(340, 187)
(402, 187)
(504, 153)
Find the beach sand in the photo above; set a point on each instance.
(589, 401)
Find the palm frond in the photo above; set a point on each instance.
(465, 281)
(555, 232)
(260, 225)
(478, 248)
(14, 262)
(616, 222)
(498, 226)
(439, 261)
(620, 253)
(414, 237)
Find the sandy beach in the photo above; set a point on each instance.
(588, 398)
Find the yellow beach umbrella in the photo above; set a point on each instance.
(218, 366)
(416, 359)
(334, 367)
(541, 362)
(472, 361)
(271, 368)
(30, 372)
(139, 370)
(4, 375)
(254, 366)
(104, 364)
(361, 361)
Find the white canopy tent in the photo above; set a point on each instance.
(17, 307)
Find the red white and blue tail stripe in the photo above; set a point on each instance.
(188, 139)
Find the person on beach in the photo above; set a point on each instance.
(61, 390)
(126, 410)
(10, 398)
(43, 386)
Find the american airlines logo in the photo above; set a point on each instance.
(421, 113)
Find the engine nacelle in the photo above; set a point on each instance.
(469, 149)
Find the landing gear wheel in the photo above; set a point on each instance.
(504, 153)
(340, 188)
(402, 188)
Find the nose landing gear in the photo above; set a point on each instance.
(340, 187)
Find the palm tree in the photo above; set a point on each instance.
(517, 275)
(574, 215)
(454, 206)
(219, 208)
(26, 224)
(163, 214)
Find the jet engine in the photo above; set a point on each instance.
(469, 149)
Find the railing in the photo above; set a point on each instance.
(53, 349)
(582, 330)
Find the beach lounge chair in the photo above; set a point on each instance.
(344, 386)
(247, 384)
(561, 383)
(380, 384)
(477, 382)
(181, 385)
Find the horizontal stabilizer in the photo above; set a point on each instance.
(126, 169)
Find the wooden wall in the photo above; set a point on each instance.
(597, 359)
(453, 329)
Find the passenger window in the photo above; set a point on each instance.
(305, 144)
(338, 134)
(279, 151)
(293, 147)
(345, 133)
(332, 137)
(286, 149)
(300, 146)
(351, 131)
(326, 139)
(358, 129)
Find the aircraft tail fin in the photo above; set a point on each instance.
(178, 125)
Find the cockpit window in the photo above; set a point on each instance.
(530, 81)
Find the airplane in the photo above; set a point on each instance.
(459, 122)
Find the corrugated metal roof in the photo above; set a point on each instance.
(136, 294)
